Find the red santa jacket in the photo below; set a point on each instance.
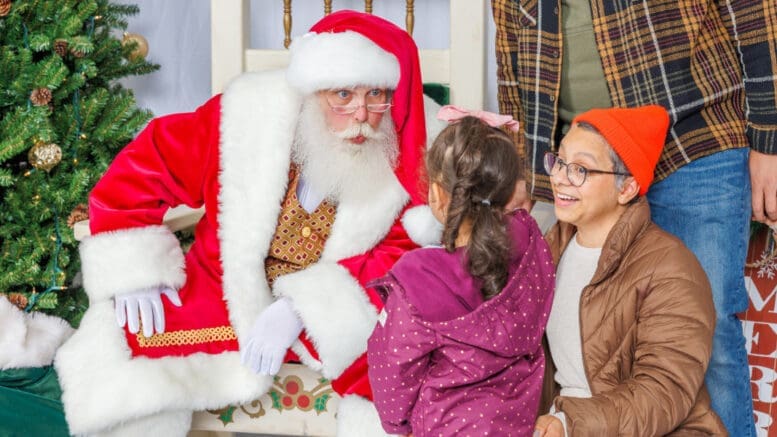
(232, 156)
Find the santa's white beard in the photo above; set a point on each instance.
(333, 166)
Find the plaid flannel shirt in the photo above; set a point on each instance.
(711, 63)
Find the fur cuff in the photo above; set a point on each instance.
(29, 340)
(335, 310)
(131, 259)
(421, 226)
(357, 417)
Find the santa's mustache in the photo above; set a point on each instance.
(363, 129)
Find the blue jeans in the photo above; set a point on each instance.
(707, 205)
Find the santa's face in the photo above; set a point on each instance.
(354, 114)
(333, 164)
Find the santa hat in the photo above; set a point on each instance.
(349, 48)
(636, 134)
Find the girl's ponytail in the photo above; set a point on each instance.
(479, 166)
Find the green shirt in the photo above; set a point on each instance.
(583, 85)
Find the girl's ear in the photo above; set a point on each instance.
(438, 201)
(629, 190)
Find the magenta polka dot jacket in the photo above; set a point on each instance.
(443, 362)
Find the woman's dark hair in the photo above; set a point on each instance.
(479, 166)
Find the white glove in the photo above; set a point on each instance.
(148, 303)
(273, 332)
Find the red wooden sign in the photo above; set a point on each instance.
(760, 327)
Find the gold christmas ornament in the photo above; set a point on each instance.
(40, 96)
(44, 156)
(5, 7)
(141, 49)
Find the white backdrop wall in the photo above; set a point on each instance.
(178, 34)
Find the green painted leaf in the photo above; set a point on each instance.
(276, 400)
(320, 404)
(226, 416)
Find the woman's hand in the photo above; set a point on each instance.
(548, 426)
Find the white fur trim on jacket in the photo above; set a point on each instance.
(335, 311)
(320, 61)
(29, 339)
(130, 259)
(357, 417)
(102, 386)
(421, 226)
(167, 424)
(256, 141)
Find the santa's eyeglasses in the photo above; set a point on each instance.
(346, 101)
(377, 108)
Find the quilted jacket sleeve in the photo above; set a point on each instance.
(399, 352)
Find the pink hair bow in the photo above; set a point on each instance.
(451, 113)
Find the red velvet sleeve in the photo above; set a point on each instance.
(163, 167)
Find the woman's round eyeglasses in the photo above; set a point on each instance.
(576, 173)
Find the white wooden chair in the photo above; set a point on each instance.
(462, 66)
(301, 402)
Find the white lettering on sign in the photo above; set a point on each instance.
(762, 423)
(763, 383)
(760, 338)
(755, 296)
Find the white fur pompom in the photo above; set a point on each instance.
(421, 226)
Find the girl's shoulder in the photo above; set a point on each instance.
(521, 222)
(523, 231)
(437, 283)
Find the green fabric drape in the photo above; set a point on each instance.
(30, 403)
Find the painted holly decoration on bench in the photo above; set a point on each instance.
(287, 394)
(290, 394)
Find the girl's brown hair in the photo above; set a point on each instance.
(479, 166)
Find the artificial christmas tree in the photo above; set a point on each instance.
(62, 120)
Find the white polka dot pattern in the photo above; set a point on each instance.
(478, 373)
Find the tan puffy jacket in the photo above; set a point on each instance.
(646, 322)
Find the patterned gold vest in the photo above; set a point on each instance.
(299, 237)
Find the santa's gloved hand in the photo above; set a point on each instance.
(144, 305)
(273, 332)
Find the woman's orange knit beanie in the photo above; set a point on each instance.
(636, 134)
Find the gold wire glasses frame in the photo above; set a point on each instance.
(576, 173)
(350, 109)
